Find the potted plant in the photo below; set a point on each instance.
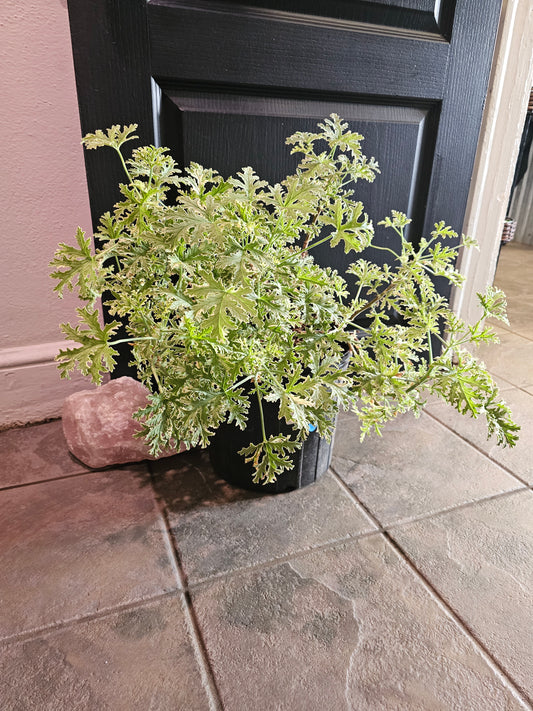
(233, 325)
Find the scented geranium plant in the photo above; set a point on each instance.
(223, 301)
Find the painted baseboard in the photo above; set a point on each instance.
(31, 389)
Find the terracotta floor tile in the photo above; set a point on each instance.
(139, 659)
(480, 559)
(347, 628)
(416, 468)
(517, 459)
(520, 322)
(219, 528)
(511, 359)
(75, 546)
(34, 453)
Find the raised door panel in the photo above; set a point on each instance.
(434, 16)
(282, 52)
(252, 131)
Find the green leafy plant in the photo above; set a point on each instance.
(223, 301)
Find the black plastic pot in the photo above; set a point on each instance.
(310, 462)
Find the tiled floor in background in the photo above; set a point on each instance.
(401, 581)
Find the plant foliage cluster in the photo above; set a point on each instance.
(223, 301)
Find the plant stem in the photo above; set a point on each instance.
(420, 381)
(375, 300)
(357, 326)
(130, 340)
(429, 371)
(320, 241)
(261, 414)
(305, 249)
(241, 382)
(124, 164)
(385, 249)
(308, 236)
(154, 373)
(359, 290)
(430, 347)
(317, 213)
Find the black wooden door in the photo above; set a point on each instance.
(224, 83)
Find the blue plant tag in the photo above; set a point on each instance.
(312, 428)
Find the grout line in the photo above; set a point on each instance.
(200, 649)
(478, 449)
(47, 481)
(134, 467)
(356, 499)
(272, 562)
(512, 385)
(99, 615)
(489, 658)
(456, 507)
(383, 527)
(509, 329)
(191, 620)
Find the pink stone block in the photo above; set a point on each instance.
(99, 425)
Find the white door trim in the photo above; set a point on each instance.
(505, 109)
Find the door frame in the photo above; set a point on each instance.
(503, 119)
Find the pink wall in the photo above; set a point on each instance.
(43, 199)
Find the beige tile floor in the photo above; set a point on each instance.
(401, 581)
